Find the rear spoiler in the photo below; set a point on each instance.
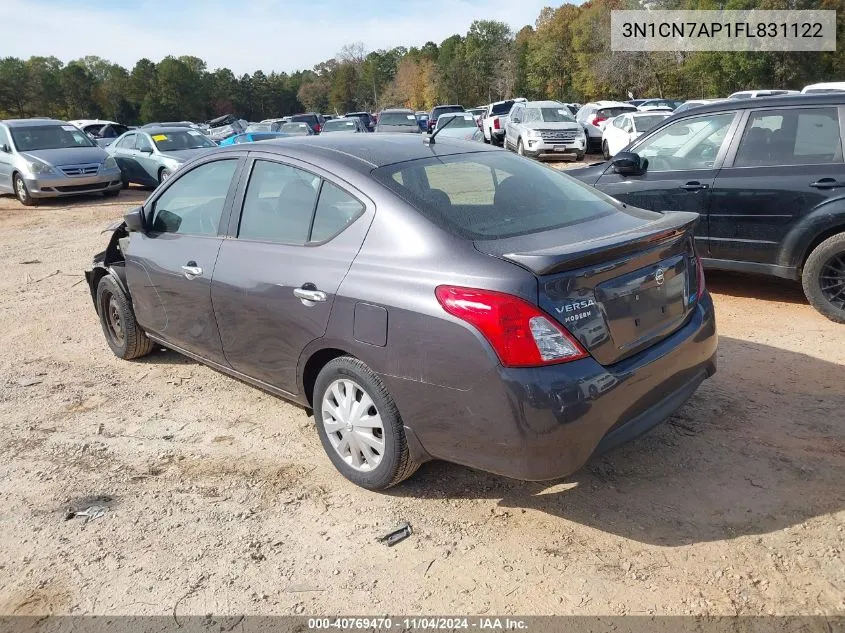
(672, 226)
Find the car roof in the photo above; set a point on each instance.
(779, 101)
(543, 104)
(447, 105)
(639, 113)
(611, 104)
(365, 152)
(163, 130)
(32, 122)
(398, 110)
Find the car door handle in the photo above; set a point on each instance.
(694, 186)
(191, 270)
(307, 294)
(826, 183)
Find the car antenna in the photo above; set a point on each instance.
(429, 140)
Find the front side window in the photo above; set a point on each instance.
(50, 136)
(143, 143)
(193, 203)
(127, 142)
(805, 136)
(686, 144)
(279, 204)
(493, 195)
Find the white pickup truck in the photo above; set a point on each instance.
(495, 119)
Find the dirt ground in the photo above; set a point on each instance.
(221, 500)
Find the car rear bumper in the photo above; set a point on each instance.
(544, 423)
(58, 186)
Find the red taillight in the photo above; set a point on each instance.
(598, 119)
(699, 270)
(496, 123)
(520, 333)
(317, 128)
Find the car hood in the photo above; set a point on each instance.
(184, 155)
(553, 125)
(589, 174)
(412, 129)
(68, 155)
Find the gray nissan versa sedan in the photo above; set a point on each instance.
(445, 300)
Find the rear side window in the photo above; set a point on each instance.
(279, 204)
(502, 108)
(493, 195)
(127, 142)
(193, 203)
(801, 136)
(336, 210)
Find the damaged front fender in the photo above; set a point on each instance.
(110, 261)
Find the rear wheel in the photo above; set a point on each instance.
(22, 193)
(824, 278)
(125, 338)
(359, 425)
(605, 150)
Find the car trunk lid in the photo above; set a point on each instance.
(617, 294)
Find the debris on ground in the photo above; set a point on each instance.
(399, 534)
(89, 514)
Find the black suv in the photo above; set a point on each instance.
(767, 176)
(314, 120)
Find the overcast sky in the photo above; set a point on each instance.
(244, 35)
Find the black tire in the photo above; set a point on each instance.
(520, 149)
(123, 334)
(164, 174)
(124, 182)
(396, 464)
(22, 193)
(823, 278)
(605, 150)
(111, 193)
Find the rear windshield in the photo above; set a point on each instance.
(397, 118)
(645, 123)
(557, 115)
(181, 139)
(443, 109)
(493, 195)
(259, 127)
(36, 137)
(339, 125)
(609, 113)
(307, 118)
(294, 128)
(502, 108)
(456, 121)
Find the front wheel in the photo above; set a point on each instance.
(824, 278)
(111, 193)
(163, 175)
(605, 150)
(123, 334)
(519, 148)
(579, 157)
(22, 193)
(359, 425)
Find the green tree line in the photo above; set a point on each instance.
(565, 55)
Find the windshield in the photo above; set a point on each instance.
(36, 137)
(397, 118)
(175, 140)
(301, 129)
(556, 115)
(444, 109)
(502, 108)
(456, 121)
(493, 195)
(645, 123)
(340, 125)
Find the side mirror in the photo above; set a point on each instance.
(5, 149)
(146, 149)
(134, 220)
(629, 164)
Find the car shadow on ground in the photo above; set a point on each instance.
(755, 286)
(759, 448)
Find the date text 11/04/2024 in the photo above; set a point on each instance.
(418, 624)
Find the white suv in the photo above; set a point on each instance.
(594, 116)
(544, 129)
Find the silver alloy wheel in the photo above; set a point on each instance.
(22, 193)
(353, 425)
(165, 174)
